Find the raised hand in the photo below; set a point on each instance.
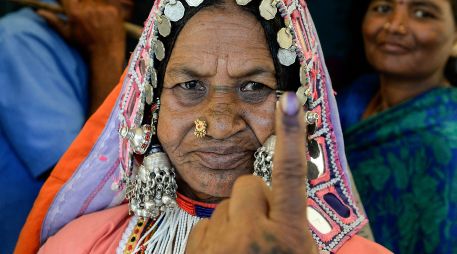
(256, 219)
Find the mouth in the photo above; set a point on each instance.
(394, 48)
(223, 160)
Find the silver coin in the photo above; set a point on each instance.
(302, 98)
(148, 93)
(194, 3)
(164, 25)
(303, 74)
(267, 9)
(153, 78)
(159, 50)
(287, 57)
(284, 38)
(243, 2)
(174, 10)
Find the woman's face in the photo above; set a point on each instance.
(409, 38)
(220, 71)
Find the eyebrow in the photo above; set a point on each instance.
(256, 71)
(426, 4)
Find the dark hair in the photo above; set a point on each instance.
(287, 77)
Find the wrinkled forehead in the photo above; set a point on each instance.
(221, 36)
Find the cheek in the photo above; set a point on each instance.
(174, 123)
(261, 120)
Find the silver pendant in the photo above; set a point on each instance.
(243, 2)
(159, 50)
(194, 3)
(304, 80)
(302, 98)
(174, 10)
(268, 9)
(164, 25)
(153, 78)
(287, 56)
(284, 38)
(148, 93)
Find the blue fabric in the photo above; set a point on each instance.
(43, 105)
(404, 163)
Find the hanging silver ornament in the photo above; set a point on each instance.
(148, 93)
(311, 117)
(153, 78)
(159, 50)
(263, 164)
(243, 2)
(164, 25)
(154, 188)
(268, 9)
(302, 97)
(287, 56)
(284, 38)
(174, 10)
(139, 138)
(194, 3)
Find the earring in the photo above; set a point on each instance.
(154, 188)
(200, 128)
(263, 163)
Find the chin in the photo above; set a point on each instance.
(208, 183)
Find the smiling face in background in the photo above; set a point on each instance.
(220, 71)
(409, 38)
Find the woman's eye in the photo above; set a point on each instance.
(381, 7)
(251, 86)
(423, 14)
(193, 85)
(254, 92)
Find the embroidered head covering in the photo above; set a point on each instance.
(98, 182)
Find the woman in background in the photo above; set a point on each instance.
(400, 126)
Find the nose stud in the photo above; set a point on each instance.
(200, 128)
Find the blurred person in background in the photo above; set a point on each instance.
(400, 126)
(53, 75)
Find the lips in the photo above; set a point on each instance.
(223, 158)
(396, 48)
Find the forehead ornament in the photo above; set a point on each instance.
(174, 10)
(268, 9)
(243, 2)
(194, 3)
(287, 56)
(159, 50)
(163, 25)
(284, 38)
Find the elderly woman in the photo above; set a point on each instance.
(400, 127)
(200, 96)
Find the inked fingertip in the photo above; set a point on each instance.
(289, 104)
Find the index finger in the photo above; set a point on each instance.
(289, 163)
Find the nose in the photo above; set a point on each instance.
(224, 116)
(397, 22)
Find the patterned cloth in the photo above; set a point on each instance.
(404, 162)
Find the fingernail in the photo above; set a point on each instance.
(289, 104)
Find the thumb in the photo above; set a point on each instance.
(56, 22)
